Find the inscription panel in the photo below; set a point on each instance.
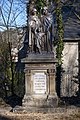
(39, 83)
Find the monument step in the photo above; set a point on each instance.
(67, 109)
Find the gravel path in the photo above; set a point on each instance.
(68, 115)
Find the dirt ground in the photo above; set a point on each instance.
(70, 114)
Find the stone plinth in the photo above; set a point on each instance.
(40, 84)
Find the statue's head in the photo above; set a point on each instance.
(45, 10)
(34, 11)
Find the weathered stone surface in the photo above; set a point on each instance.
(69, 81)
(40, 85)
(45, 57)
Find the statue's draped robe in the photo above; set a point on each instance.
(41, 33)
(34, 25)
(47, 21)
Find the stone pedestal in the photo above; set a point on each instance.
(40, 84)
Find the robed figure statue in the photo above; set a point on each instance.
(48, 27)
(40, 32)
(34, 30)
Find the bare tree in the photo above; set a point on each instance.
(10, 11)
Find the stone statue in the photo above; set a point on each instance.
(40, 31)
(34, 32)
(47, 21)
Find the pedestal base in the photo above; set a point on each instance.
(40, 101)
(40, 84)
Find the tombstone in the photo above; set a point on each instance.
(40, 67)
